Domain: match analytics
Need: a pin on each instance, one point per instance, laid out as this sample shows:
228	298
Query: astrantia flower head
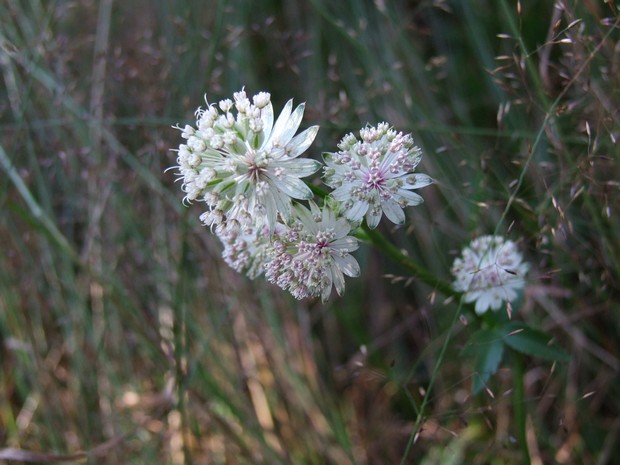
312	254
245	167
489	272
374	175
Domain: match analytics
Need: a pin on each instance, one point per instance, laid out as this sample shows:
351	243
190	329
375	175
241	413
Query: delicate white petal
415	156
300	167
315	211
411	198
389	159
415	181
482	304
280	125
338	279
495	300
271	211
373	216
509	293
393	212
341	228
211	156
345	244
472	296
327	288
267	116
348	264
341	193
283	204
293	187
357	211
289	130
301	142
306	218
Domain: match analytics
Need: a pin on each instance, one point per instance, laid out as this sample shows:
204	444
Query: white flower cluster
247	169
306	256
312	254
243	166
490	271
374	175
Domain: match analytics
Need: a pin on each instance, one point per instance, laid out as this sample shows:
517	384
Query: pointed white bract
490	271
374	176
244	166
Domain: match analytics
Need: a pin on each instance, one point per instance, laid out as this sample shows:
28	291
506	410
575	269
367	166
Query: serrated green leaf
486	347
526	340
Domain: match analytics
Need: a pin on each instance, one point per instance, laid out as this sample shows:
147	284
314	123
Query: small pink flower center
375	179
323	239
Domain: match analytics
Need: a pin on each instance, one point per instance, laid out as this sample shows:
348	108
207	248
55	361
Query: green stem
519	406
427	395
379	241
38	214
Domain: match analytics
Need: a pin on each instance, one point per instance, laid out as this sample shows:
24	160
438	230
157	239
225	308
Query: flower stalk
390	250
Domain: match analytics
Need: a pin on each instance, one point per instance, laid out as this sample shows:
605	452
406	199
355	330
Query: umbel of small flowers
374	175
312	253
307	256
245	167
248	171
489	271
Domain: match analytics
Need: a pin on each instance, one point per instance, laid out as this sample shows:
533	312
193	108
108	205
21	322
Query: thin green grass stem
549	110
36	211
394	253
427	395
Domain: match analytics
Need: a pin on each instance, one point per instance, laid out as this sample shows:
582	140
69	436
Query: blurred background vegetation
125	339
